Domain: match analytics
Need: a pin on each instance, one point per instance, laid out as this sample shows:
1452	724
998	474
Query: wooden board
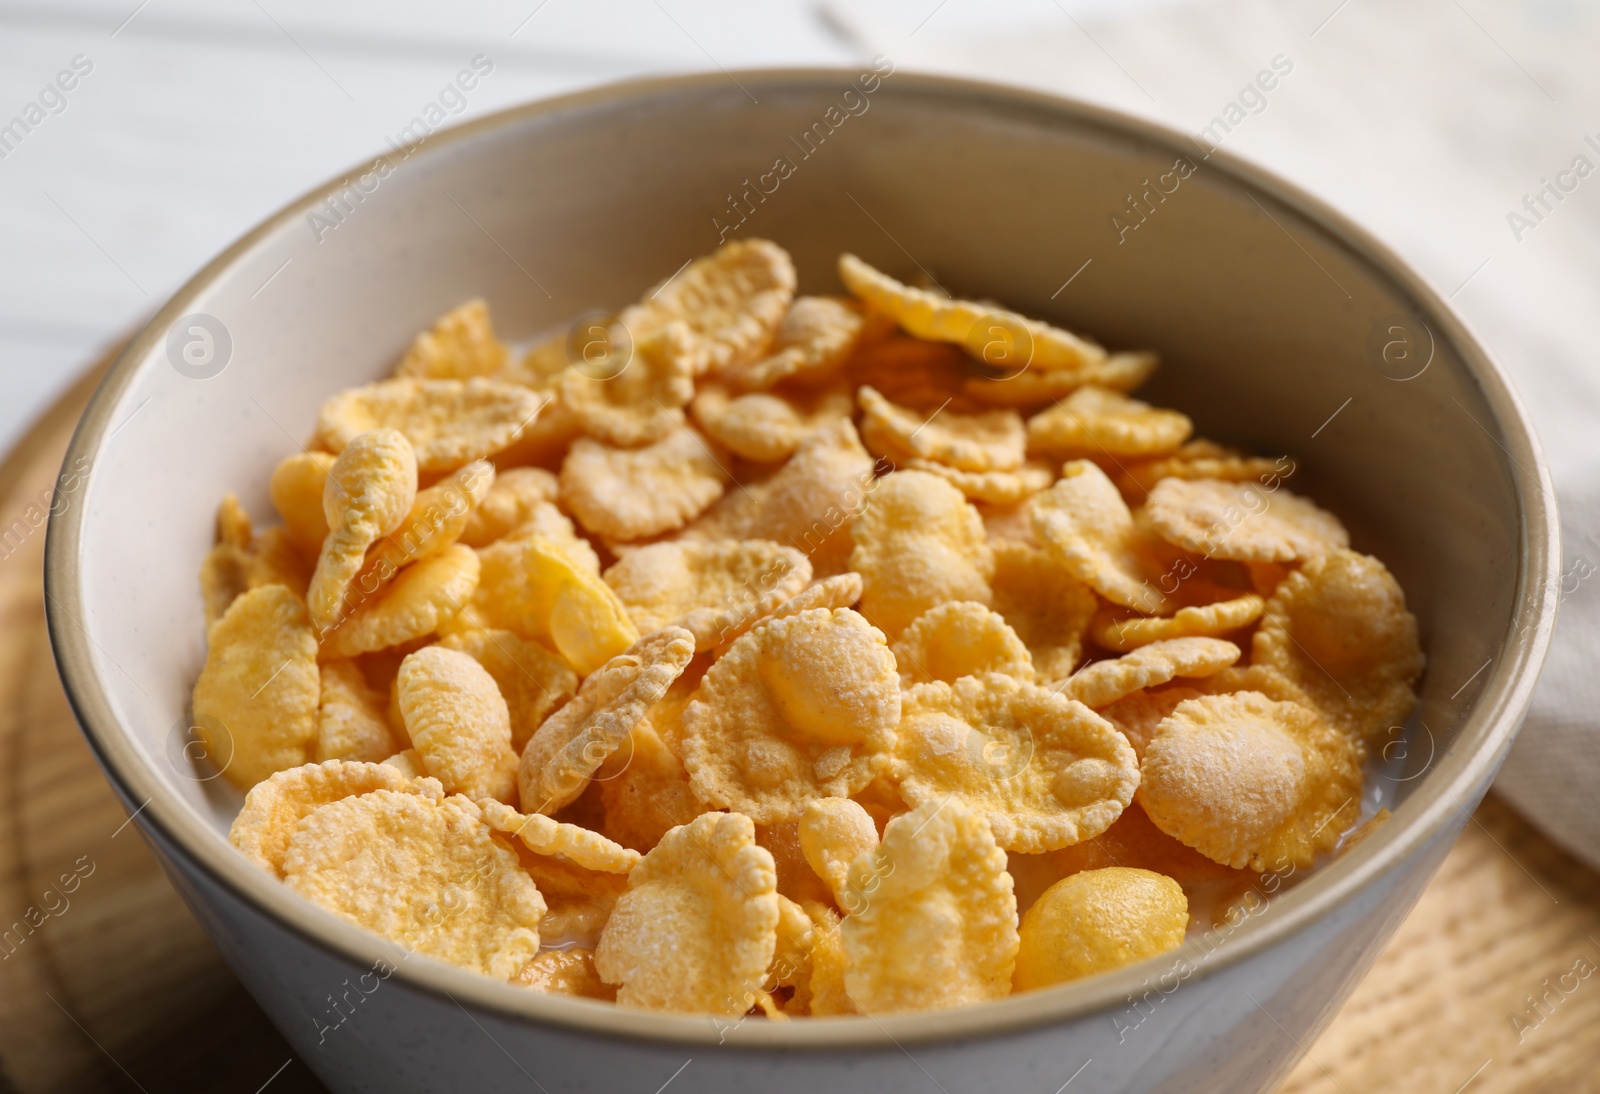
119	990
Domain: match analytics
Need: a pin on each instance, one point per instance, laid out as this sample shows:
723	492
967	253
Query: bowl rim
1440	801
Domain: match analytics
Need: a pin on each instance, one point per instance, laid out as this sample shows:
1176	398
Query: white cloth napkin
1430	123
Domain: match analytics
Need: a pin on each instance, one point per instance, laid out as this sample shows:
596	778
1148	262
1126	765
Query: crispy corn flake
296	488
509	504
569	747
1200	460
533	586
1203	621
1339	629
931	920
1249	782
648	796
579	901
435	522
545	439
449	423
832	833
276	804
409	763
960	638
1035	387
840	591
791	954
1241	521
1010	523
732	301
644	401
544	836
459	346
811	344
1095	422
697	928
242	560
1084	522
799	708
994	487
1258	677
940	319
1045	606
1104	682
1046	771
255	702
991	441
716	590
368	492
911	373
1139	714
426	875
797	881
458	723
633	493
414	604
763	427
807	504
565	972
351	721
918	543
533	681
1096	921
821	991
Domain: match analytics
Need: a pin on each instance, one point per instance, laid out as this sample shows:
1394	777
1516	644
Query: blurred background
138	139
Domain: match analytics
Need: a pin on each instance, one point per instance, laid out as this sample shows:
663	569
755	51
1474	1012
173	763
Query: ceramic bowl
1282	327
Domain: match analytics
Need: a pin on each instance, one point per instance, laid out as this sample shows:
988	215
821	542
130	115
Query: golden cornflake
448	422
1096	921
799	708
275	805
1242	521
931	920
1339	629
960	638
533	681
833	832
815	338
1104	682
458	723
1044	605
649	794
1044	770
994	487
840	591
535	587
822	991
911	373
1248	782
918	543
991	441
351	720
1085	523
732	301
460	345
1035	387
544	836
1203	621
642	403
697	928
565	972
572	743
940	319
715	590
632	493
765	427
426	875
414	604
296	489
1095	422
255	703
1201	460
509	504
369	490
1138	715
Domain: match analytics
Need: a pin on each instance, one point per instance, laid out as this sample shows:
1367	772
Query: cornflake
424	595
632	493
931	920
458	723
533	681
1096	921
1242	521
994	487
714	589
918	543
991	441
1104	682
1033	387
766	427
832	833
255	703
960	638
799	708
648	793
812	342
1084	522
509	504
1044	604
1339	629
461	345
642	403
565	972
1203	621
369	490
296	489
351	720
1044	770
1095	422
448	422
697	928
425	874
1248	782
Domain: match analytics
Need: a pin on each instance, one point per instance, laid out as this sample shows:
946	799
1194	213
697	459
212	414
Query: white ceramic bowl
1281	325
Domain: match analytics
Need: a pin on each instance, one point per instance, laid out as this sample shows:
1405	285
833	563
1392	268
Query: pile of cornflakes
753	653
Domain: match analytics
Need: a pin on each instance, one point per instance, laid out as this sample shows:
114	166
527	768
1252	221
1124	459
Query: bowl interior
1274	333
